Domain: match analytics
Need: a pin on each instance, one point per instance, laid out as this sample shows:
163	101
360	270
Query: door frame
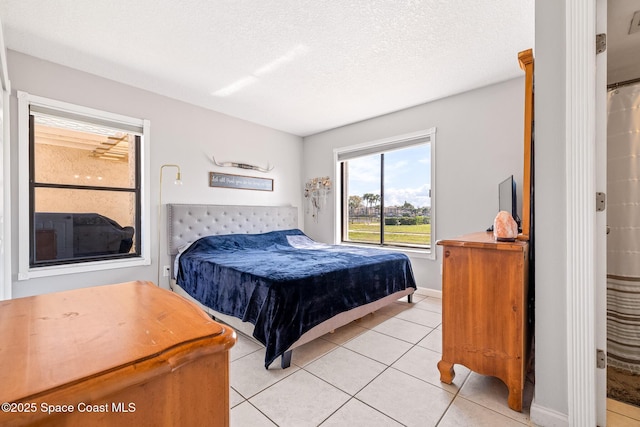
580	219
601	217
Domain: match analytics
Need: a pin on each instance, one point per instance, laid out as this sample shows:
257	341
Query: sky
407	176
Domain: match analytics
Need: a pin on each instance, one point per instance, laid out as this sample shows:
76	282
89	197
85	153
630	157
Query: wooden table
128	354
484	310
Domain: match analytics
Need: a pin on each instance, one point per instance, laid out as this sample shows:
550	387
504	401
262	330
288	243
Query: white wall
180	133
479	143
5	216
5	167
551	394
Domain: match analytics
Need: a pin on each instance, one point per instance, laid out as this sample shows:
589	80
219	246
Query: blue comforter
285	283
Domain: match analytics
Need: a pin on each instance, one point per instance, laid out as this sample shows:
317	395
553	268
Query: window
387	196
81	188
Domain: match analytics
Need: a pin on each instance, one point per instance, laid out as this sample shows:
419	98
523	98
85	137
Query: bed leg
285	361
410	298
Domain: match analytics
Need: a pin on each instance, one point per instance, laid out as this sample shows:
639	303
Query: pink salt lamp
505	228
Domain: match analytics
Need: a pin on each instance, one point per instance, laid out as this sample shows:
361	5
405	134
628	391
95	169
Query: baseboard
429	292
541	416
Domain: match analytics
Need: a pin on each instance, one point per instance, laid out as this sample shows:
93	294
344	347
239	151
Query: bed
252	263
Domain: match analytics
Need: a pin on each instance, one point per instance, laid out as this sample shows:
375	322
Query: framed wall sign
226	180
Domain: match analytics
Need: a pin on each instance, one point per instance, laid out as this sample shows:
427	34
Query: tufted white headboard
187	223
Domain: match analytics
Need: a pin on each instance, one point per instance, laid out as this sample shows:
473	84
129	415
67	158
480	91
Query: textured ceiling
301	66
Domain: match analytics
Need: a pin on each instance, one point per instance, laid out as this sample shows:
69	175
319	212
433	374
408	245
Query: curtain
623	218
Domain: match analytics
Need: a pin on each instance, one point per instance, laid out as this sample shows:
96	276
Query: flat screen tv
507	199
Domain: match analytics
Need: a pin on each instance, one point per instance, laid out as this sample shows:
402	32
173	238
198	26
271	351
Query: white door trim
580	209
600	316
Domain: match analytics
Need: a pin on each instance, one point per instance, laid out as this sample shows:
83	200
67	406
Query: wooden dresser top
484	240
56	340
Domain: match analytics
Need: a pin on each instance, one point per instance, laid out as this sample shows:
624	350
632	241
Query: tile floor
378	371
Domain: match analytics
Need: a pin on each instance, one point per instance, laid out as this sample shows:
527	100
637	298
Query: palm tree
376	199
354	203
368	198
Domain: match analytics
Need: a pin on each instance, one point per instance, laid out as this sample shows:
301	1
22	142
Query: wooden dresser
124	354
484	310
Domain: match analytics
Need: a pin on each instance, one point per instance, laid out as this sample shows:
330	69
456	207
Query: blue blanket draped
285	283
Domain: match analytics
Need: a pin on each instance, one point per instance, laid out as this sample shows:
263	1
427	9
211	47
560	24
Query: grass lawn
407	234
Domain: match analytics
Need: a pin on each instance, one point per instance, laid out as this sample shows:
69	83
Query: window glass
363	200
85	201
407	211
90	224
387	197
69	157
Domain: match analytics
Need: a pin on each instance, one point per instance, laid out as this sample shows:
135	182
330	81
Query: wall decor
316	191
225	180
243	166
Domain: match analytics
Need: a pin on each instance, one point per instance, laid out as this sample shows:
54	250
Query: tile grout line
387	366
353	396
265	415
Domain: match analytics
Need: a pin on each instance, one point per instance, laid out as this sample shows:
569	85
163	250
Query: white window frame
25	272
387	144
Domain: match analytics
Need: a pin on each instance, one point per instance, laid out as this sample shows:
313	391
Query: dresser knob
447	253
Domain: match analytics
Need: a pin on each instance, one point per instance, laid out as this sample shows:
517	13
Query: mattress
285	283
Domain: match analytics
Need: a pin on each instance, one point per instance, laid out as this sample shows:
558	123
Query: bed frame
187	223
